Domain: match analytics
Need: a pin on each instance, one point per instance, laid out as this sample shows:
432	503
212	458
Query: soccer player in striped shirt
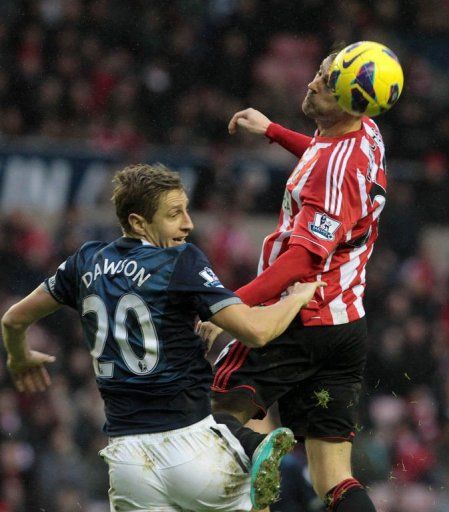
327	228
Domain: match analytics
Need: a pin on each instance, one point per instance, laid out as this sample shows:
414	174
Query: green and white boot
265	473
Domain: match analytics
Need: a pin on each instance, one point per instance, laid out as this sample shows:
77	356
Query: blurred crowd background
158	80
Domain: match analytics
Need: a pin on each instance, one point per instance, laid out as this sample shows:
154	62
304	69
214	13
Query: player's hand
208	332
305	290
29	374
251	120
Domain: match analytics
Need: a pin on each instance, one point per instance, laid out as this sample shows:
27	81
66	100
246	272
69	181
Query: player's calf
349	496
248	438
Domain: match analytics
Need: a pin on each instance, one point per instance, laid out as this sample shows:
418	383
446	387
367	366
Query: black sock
349	496
249	439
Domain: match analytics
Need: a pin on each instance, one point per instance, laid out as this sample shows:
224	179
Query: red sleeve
292	141
296	264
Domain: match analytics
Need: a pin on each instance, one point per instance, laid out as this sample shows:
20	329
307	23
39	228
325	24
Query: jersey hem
156	430
206	421
48	289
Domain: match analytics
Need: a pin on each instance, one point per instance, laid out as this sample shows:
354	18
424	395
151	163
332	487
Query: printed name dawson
129	269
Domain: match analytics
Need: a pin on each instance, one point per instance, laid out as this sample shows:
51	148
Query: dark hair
137	189
335	49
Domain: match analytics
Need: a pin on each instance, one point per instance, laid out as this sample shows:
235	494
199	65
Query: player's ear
137	223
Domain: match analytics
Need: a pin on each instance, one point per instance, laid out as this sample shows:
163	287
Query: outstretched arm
255	122
25	365
255	327
294	142
296	264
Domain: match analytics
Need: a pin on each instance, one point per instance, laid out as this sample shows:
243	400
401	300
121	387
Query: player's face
171	223
319	103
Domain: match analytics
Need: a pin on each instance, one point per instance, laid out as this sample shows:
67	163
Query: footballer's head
320	104
151	204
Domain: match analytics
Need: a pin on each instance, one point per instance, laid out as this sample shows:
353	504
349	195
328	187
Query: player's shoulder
190	261
188	252
372	142
89	250
369	123
80	258
371	132
91	247
368	147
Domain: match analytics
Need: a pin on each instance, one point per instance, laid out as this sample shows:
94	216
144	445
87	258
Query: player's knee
236	404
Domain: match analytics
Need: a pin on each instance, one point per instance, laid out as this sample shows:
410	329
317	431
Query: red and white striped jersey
331	206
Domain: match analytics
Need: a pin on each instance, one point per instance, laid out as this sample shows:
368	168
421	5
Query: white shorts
189	469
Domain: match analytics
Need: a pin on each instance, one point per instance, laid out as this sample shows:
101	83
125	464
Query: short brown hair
336	47
137	189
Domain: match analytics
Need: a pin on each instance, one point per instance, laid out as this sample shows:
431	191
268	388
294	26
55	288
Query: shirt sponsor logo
211	278
323	226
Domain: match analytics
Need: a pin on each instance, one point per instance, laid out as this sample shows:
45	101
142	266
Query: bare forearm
257	326
20	316
273	320
14	341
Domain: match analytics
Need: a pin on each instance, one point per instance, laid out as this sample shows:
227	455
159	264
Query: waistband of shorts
208	421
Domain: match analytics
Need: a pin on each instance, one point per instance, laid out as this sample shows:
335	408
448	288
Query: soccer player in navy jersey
138	298
327	228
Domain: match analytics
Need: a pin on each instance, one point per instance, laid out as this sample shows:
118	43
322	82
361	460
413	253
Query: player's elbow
13	320
256	337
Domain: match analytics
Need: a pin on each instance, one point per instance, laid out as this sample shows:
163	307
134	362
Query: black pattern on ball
365	78
358	101
333	79
394	94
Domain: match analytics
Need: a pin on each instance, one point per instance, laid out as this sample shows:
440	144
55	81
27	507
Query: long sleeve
294	142
296	264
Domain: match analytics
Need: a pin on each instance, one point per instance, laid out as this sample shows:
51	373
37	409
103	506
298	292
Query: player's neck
339	128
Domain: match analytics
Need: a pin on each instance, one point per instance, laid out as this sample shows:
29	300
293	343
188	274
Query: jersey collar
349	135
128	242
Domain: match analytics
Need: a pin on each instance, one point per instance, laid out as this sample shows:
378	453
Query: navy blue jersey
138	304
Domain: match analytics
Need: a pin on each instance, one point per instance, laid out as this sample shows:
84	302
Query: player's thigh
216	478
200	468
325	404
132	490
134	482
329	463
248	381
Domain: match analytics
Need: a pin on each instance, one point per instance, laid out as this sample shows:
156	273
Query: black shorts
315	374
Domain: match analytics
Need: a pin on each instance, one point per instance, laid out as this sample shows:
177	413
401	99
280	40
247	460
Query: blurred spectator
75	60
433	190
61	468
